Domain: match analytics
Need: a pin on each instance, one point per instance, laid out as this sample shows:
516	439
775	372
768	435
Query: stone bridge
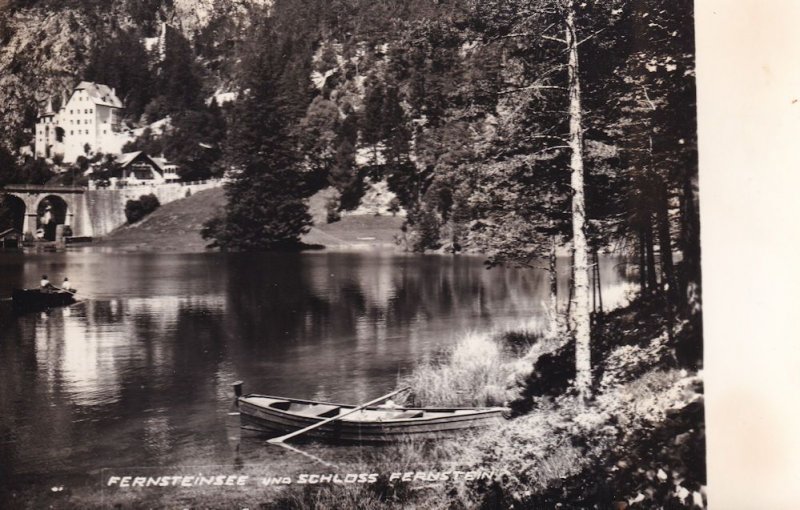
33	207
30	208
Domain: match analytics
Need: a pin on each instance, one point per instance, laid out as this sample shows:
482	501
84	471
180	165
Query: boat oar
308	455
281	439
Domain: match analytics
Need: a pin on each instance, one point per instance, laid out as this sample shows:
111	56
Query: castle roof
100	94
48	111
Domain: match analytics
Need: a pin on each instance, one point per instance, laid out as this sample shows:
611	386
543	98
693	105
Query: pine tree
266	207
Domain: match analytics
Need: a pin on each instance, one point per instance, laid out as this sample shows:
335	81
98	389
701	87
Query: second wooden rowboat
377	424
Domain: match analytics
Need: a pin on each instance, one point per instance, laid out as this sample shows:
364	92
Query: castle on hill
88	122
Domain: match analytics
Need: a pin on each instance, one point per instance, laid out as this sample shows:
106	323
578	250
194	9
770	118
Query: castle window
70	131
87	131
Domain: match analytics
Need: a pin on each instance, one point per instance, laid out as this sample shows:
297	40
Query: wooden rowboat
375	424
30	300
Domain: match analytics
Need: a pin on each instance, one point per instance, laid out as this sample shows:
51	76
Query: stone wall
103	210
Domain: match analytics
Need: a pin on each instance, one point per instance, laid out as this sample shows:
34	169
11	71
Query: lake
139	373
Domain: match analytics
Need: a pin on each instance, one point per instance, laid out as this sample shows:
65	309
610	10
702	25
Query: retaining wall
103	210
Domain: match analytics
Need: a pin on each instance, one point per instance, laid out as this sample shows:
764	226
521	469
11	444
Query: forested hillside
461	106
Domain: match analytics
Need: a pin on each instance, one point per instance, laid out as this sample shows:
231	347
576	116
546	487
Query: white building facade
88	123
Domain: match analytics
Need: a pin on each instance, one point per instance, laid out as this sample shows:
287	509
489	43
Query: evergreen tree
8	167
318	136
372	122
179	80
194	142
266	207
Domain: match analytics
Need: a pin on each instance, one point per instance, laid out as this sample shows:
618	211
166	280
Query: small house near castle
139	168
89	119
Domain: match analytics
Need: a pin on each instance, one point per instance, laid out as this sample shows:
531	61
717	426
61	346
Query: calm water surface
140	373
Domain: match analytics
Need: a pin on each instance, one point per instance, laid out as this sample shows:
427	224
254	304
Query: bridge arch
51	211
12	212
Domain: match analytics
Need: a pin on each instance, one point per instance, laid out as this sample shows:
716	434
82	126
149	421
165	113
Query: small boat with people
38	299
367	423
46	296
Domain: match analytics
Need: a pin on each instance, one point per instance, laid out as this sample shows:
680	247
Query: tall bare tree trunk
665	242
642	264
652	279
597	279
690	243
580	312
553	289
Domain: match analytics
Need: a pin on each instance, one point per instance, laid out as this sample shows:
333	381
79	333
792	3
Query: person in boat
67	286
45	285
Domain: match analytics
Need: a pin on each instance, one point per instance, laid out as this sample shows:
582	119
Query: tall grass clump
471	373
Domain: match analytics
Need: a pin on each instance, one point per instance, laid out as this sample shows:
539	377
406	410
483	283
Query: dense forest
424	91
460	106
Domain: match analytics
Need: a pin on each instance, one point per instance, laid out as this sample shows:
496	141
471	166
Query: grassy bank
639	443
176	226
356	232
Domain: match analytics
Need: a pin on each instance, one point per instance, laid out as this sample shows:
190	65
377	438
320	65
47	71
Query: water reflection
139	373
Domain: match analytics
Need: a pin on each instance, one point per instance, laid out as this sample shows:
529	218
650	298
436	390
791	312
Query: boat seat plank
330	413
305	409
408	414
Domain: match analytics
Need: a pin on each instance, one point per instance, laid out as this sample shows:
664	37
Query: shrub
427	225
332	209
394	206
135	210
